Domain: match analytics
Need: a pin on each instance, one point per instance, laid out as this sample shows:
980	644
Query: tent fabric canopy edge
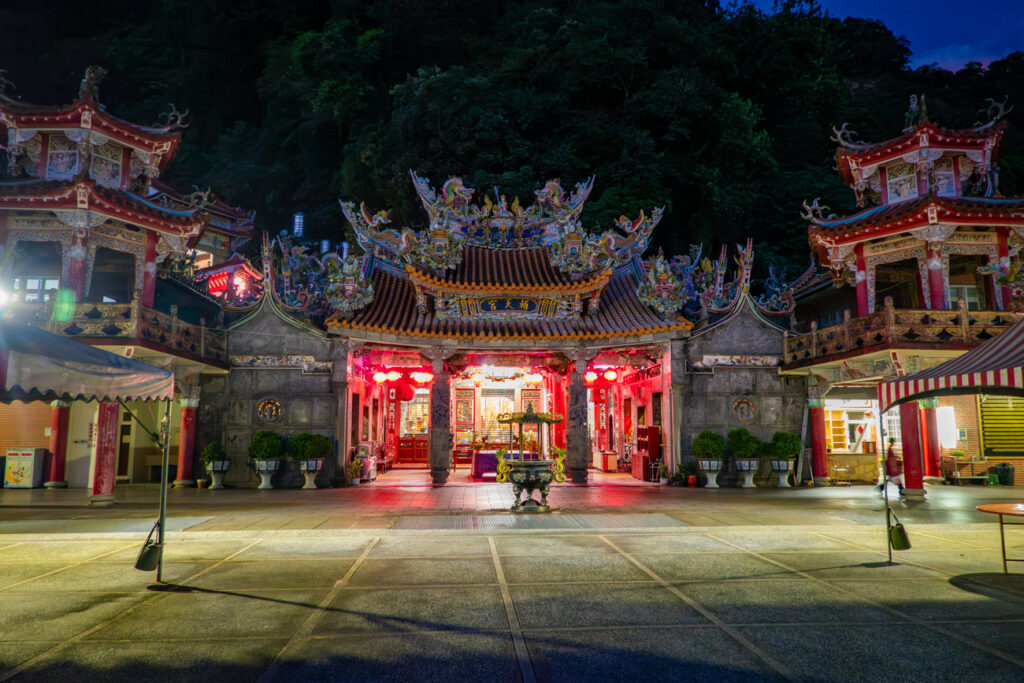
994	367
38	365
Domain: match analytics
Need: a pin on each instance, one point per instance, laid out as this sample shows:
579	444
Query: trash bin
1005	472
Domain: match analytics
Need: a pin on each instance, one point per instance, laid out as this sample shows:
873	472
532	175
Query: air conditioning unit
961	435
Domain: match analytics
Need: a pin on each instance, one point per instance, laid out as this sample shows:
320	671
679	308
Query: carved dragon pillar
441	436
577	454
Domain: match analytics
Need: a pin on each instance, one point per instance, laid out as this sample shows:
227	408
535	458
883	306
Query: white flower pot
354	481
266	469
748	466
783	468
309	469
663	481
711	467
217	469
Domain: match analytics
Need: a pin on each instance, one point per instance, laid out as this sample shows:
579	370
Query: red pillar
187	443
59	416
819	456
149	270
76	264
105	458
861	278
913	451
1003	246
930	431
559	389
936	277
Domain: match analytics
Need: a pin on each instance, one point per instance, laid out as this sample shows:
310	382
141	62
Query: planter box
782	468
217	468
309	469
266	469
711	467
748	466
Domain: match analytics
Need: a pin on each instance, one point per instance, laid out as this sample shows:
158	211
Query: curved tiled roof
506	267
393	311
901	216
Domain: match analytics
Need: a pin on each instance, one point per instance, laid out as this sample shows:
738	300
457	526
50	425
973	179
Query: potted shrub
745	448
663	473
309	451
783	450
355	469
691	471
709	448
216	462
266	450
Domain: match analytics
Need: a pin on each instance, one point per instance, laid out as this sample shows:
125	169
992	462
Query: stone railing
892	328
130	322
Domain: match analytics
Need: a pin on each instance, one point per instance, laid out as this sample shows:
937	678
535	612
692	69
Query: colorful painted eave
88	195
882	221
89	115
338	324
583	286
925	135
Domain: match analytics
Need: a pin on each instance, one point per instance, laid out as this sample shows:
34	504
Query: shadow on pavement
997	586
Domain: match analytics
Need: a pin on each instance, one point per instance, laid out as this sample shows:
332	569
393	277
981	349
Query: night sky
942	32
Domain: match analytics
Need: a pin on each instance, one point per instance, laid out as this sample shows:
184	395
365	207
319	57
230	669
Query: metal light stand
165	437
888	534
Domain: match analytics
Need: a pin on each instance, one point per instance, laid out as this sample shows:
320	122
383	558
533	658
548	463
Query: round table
1004	510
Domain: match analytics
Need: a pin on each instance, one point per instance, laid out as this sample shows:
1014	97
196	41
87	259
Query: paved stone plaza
677	584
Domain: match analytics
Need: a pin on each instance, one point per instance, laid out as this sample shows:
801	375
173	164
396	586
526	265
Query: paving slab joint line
66	567
313	619
515	627
146	599
836	585
778	666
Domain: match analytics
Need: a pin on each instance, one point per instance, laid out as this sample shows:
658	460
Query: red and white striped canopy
995	367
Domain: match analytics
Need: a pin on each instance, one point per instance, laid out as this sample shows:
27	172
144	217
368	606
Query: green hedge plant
306	446
742	444
213	452
784	445
709	446
266	445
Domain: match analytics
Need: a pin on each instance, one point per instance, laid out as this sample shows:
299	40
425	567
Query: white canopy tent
36	365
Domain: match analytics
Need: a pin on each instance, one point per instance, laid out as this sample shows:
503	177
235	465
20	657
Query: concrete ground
623	582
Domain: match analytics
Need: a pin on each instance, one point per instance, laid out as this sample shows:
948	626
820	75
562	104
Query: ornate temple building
93	246
926	270
413	348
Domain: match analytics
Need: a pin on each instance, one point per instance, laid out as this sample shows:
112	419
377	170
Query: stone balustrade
130	323
895	328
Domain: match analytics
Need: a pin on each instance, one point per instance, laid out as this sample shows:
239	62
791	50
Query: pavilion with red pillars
95	247
411	345
925	271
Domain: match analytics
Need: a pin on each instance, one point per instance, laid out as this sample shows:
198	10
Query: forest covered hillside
721	114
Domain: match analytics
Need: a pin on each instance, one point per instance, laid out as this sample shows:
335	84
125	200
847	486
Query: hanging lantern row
394	375
610	375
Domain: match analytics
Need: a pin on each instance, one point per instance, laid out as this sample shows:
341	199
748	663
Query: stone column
932	450
577	454
819	454
187	443
105	456
440	421
910	432
58	444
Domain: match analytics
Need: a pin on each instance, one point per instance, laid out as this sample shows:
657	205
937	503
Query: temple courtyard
406	581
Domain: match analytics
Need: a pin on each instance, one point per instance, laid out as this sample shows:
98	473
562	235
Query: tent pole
165	429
